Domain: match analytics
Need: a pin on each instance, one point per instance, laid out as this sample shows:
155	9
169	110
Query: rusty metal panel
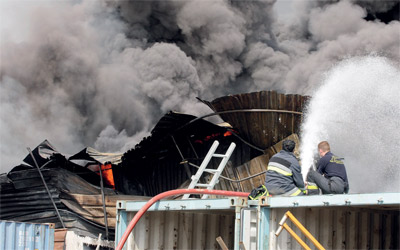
182	230
262	129
340	227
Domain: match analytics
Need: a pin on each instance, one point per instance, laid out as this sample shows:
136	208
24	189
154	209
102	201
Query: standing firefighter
284	172
331	177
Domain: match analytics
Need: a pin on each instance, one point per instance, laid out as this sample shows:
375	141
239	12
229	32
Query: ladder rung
211	170
202	185
219	155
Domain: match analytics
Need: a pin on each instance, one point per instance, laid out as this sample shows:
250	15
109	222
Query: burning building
85	183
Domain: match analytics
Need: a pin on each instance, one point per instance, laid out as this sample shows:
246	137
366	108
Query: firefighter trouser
333	185
294	192
312	188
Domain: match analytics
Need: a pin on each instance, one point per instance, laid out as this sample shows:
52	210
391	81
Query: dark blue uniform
331	177
332	166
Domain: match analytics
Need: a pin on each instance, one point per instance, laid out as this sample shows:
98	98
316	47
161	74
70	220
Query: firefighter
331	177
284	172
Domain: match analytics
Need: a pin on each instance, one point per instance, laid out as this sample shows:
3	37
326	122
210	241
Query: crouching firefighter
331	176
284	176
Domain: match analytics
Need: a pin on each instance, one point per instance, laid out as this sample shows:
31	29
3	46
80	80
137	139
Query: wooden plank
232	174
270	130
246	101
59	238
59	245
274	119
243	173
263	121
59	234
282	118
221	243
262	129
258	165
257	117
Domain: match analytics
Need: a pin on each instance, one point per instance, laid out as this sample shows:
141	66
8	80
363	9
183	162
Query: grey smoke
101	73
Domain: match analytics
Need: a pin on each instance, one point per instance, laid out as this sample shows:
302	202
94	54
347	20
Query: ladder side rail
196	177
220	168
203	165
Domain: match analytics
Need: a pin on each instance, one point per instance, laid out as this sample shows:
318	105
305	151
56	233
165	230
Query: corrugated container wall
339	228
352	221
182	230
26	236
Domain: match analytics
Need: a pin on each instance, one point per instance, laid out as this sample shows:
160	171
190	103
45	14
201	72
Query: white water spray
357	110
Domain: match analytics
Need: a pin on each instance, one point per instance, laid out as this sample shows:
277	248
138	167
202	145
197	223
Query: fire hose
158	197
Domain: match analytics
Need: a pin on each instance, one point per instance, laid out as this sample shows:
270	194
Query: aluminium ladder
203	168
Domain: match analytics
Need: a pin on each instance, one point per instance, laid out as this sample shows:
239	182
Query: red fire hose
158	197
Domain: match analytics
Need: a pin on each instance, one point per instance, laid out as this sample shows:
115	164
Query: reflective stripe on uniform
296	193
279	165
279	170
311	185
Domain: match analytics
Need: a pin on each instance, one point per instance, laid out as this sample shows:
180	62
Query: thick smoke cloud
101	73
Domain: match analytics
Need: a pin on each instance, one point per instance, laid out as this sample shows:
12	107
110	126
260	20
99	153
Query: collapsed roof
163	161
257	121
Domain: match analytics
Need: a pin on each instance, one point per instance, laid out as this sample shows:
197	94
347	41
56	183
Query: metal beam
177	205
47	189
103	198
263	227
379	199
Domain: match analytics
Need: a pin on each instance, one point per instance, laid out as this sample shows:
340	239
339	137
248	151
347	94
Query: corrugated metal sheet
26	200
356	221
181	138
340	228
91	155
26	236
182	230
262	129
157	163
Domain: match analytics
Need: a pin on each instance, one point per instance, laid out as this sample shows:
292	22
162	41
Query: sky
102	73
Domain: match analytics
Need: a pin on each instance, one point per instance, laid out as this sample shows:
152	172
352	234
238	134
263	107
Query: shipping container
352	221
26	236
